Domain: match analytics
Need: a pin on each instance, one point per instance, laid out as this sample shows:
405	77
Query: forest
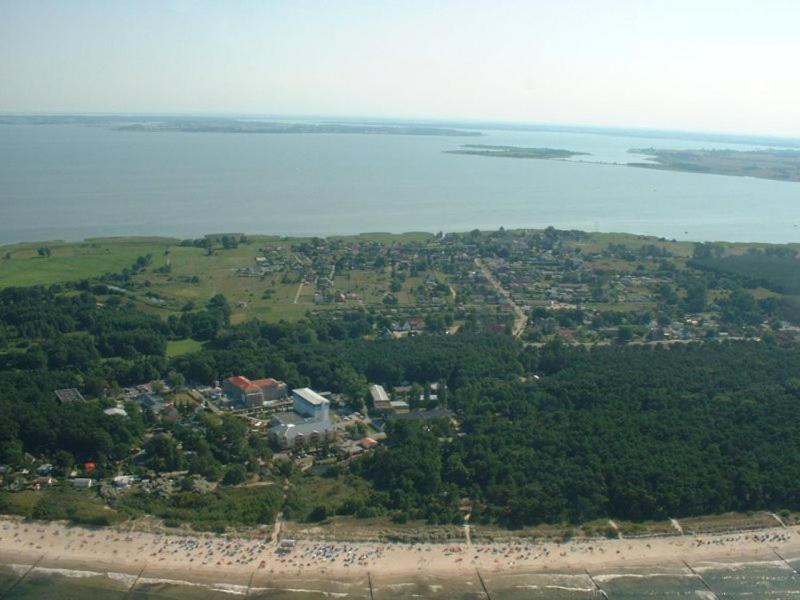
629	433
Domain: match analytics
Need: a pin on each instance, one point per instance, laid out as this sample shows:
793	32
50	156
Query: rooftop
310	396
289	418
268	381
378	393
69	395
243	383
304	428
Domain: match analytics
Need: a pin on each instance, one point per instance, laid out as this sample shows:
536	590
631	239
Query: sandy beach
207	558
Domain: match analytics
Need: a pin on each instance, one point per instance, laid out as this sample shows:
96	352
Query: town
325	360
301	427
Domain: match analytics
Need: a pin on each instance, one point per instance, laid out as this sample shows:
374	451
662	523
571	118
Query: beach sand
244	562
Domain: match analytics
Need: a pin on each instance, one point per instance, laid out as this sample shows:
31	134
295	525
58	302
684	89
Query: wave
606	577
126	581
708	565
570	589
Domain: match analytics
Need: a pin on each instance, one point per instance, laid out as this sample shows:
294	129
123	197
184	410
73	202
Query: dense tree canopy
555	433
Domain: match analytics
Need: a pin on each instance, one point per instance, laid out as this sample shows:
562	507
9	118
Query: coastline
237	564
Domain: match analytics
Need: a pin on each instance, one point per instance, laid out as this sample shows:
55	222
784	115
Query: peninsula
515	152
777	164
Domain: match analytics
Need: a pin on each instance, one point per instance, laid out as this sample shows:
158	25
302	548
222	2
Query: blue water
74	181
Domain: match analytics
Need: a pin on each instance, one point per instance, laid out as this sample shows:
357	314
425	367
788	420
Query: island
777	164
516	152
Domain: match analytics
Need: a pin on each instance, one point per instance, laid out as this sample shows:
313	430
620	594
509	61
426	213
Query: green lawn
178	347
72	262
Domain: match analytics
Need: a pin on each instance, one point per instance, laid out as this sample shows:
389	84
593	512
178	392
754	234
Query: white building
380	399
310	404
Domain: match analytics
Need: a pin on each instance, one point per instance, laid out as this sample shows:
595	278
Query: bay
76	181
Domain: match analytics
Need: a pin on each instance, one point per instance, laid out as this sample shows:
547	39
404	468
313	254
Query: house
69	395
380	399
170	413
348	449
242	390
152	402
116	412
83	483
124	481
399	406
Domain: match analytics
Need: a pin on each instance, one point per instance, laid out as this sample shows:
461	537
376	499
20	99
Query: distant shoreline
469	124
774	165
388	236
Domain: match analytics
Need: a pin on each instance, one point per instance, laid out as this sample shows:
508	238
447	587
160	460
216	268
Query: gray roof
306	428
310	396
378	393
69	395
289	418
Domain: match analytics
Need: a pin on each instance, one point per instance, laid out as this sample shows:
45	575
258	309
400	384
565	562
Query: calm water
765	580
73	181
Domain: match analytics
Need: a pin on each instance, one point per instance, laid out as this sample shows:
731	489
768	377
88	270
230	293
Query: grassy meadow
194	276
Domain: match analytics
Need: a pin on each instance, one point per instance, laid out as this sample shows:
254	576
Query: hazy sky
726	65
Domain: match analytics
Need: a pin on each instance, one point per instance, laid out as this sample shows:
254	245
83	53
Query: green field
75	261
195	276
178	347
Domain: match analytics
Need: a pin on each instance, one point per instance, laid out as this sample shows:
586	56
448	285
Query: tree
163	453
234	475
176	380
624	334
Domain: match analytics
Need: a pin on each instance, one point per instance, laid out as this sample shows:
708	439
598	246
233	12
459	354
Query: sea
74	181
762	580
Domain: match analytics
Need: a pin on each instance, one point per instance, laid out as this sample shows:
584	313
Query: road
520	319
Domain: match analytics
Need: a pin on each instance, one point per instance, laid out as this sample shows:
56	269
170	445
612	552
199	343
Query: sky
699	65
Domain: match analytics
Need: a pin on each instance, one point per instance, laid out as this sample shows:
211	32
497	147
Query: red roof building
242	390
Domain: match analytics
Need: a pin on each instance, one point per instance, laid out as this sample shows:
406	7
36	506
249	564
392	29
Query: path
778	519
615	527
677	526
276	530
299	289
520	320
